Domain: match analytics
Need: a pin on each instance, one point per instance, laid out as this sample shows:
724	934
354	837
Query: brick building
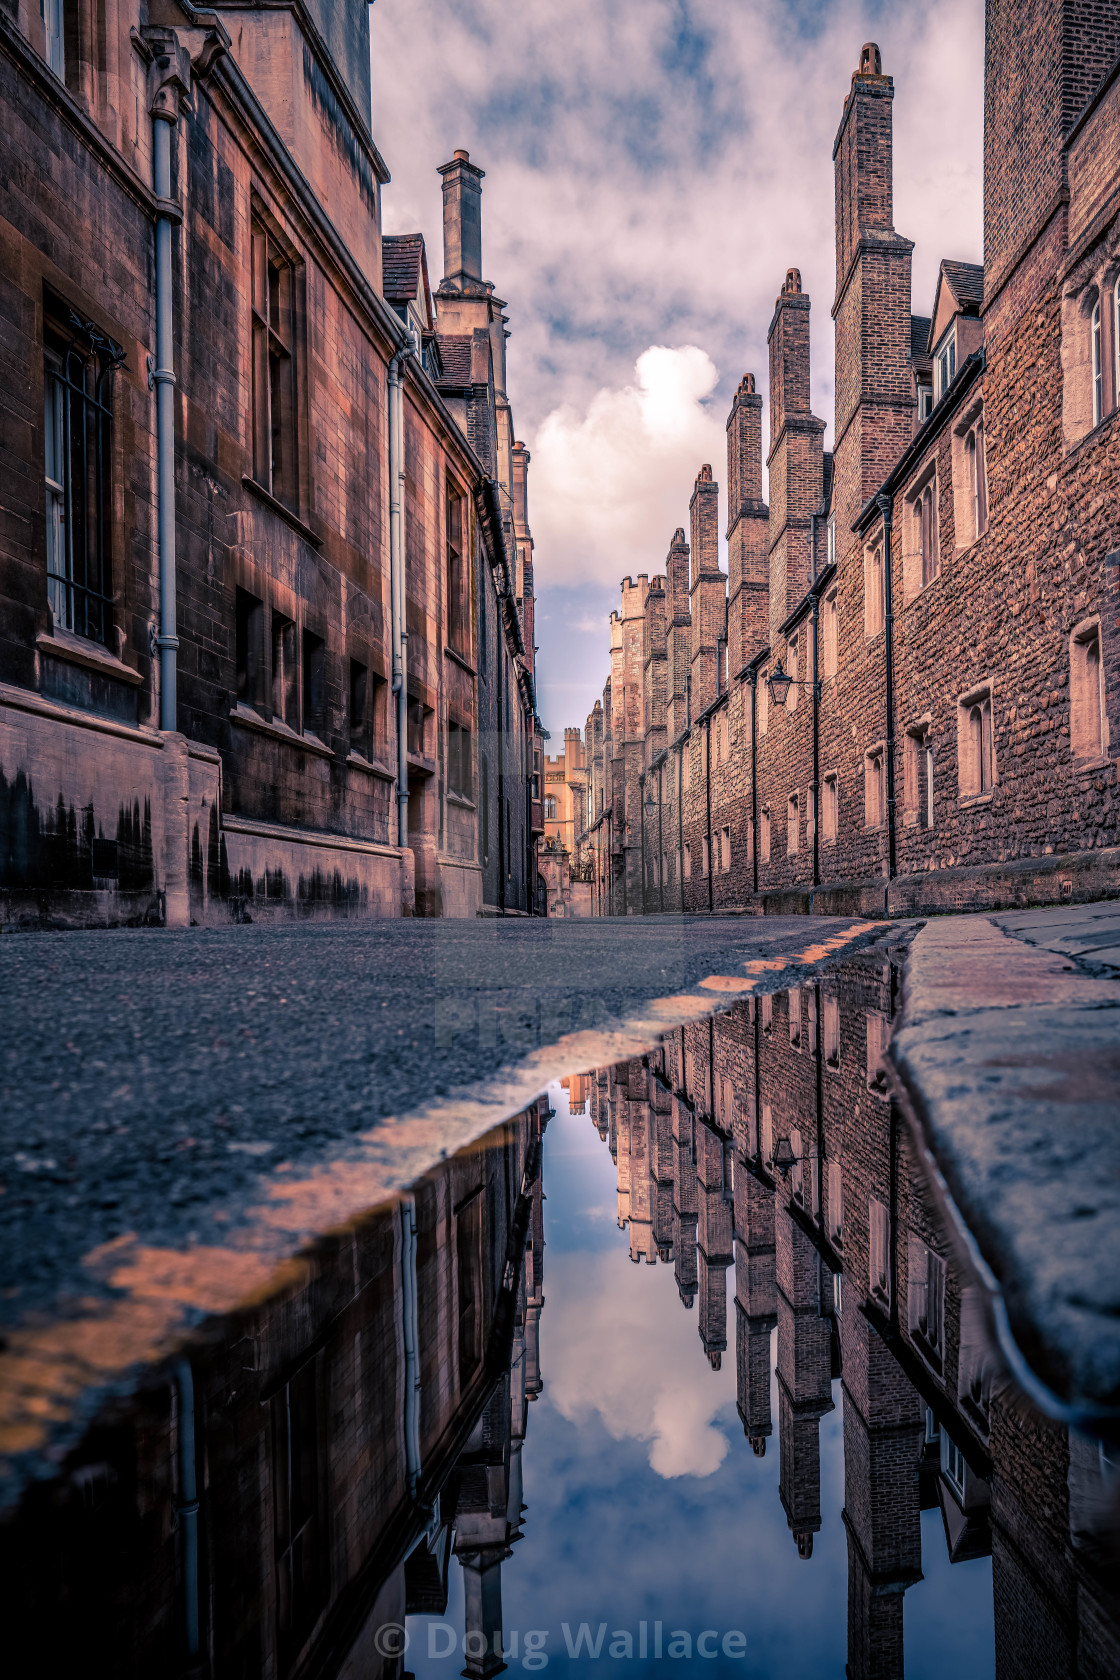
941	589
759	1155
266	591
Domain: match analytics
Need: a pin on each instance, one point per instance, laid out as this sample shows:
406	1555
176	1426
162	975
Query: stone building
905	691
759	1151
266	593
563	856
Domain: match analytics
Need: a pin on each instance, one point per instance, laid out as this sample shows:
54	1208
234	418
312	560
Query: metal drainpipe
680	821
187	1507
642	809
883	502
410	1326
816	749
396	586
708	800
501	766
162	377
754	777
660	849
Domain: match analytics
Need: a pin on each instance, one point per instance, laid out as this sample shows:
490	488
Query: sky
653	167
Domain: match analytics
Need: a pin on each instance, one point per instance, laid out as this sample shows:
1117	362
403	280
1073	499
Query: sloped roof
402	258
919	335
455	353
966	279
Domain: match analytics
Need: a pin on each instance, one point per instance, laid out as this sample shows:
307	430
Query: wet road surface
689	1372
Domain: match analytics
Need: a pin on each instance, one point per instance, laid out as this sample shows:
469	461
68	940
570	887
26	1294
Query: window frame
793	823
976	747
79	361
830	633
457	550
1081	680
874	775
1096	360
874	590
945	362
830	807
275	362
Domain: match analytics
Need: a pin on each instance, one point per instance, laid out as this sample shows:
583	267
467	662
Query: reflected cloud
620	1346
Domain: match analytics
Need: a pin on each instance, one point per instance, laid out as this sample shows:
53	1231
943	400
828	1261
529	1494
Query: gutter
397	584
169	80
886	504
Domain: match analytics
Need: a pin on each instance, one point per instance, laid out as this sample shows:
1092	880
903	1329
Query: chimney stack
462	220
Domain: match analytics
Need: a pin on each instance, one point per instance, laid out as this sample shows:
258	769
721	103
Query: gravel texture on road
152	1081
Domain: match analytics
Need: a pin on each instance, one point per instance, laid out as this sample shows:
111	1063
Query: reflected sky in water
645	1500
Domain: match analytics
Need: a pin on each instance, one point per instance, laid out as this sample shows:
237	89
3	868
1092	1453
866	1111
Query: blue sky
653	167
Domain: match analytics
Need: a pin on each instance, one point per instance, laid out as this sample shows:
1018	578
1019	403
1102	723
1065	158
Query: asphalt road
151	1081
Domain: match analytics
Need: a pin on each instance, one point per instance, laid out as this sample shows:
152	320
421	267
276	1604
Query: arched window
1095	345
980	747
928	536
980	479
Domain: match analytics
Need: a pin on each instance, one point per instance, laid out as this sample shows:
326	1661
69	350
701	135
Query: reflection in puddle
779	1444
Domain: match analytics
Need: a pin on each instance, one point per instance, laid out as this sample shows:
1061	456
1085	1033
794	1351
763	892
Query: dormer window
925	403
945	364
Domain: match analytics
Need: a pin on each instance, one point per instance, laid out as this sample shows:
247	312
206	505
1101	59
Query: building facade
904	693
265	612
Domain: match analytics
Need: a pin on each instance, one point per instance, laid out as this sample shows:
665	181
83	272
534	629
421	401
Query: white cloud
623	1346
653	167
609	482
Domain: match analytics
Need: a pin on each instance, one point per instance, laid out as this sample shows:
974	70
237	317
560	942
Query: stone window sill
247	718
460	659
970	799
78	650
418	761
461	801
372	766
278	507
1086	766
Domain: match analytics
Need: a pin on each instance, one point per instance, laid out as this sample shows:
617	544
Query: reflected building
766	1140
308	1472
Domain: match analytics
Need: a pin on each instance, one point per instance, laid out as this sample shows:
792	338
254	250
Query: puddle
678	1371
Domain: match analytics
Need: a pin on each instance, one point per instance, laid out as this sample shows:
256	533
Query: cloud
609	481
653	167
619	1343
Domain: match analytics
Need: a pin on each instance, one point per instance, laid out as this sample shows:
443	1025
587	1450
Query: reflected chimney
462	219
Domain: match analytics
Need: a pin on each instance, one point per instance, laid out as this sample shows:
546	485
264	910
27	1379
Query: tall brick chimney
796	459
678	636
1043	61
874	400
708	589
462	220
748	539
656	669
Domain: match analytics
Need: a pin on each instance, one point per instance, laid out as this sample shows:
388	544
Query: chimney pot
870	60
464	157
793	280
704	476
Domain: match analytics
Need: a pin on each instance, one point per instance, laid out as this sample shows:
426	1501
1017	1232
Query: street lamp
784	1158
779	684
